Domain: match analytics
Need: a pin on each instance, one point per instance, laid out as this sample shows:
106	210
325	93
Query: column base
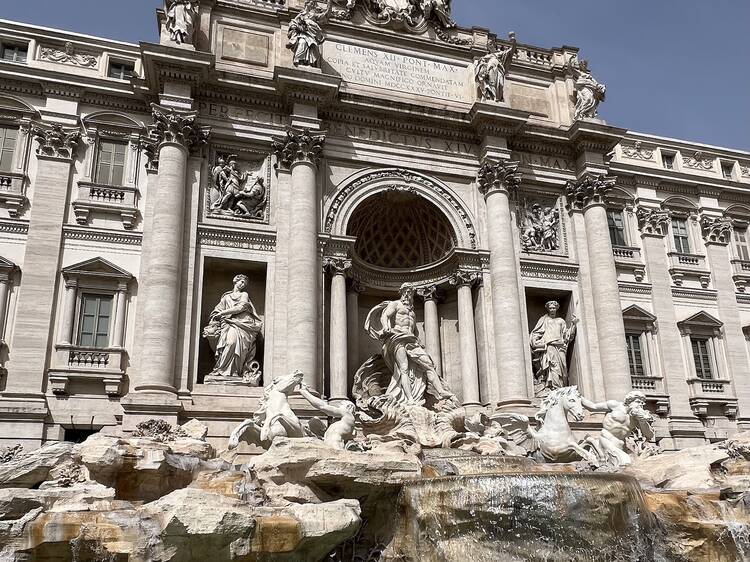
22	417
472	408
143	405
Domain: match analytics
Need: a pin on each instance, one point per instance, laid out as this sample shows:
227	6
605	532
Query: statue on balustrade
413	373
549	340
540	229
306	35
237	193
181	16
232	333
589	93
491	69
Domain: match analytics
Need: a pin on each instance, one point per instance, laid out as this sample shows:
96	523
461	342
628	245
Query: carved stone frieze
698	161
226	238
539	224
68	55
298	146
637	151
549	270
652	222
56	141
173	126
716	230
335	265
498	176
745	171
589	190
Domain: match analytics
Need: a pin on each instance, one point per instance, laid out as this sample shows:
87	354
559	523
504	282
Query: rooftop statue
413	13
306	35
623	421
549	346
491	69
181	15
232	334
589	93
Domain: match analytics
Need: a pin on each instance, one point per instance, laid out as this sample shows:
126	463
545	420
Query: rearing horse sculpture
554	440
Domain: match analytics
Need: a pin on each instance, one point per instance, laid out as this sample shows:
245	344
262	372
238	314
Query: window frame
725	165
678	247
122	64
709	363
81	299
97	161
623	229
18	46
13	150
635	336
668	160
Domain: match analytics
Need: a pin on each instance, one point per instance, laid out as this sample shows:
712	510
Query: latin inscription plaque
395	71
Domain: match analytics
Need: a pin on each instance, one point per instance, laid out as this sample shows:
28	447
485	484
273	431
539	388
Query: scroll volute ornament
56	141
498	176
298	146
716	230
173	126
652	222
591	189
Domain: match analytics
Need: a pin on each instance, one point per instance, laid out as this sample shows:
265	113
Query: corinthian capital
429	293
496	176
298	145
463	277
173	126
56	141
716	230
589	190
336	265
652	222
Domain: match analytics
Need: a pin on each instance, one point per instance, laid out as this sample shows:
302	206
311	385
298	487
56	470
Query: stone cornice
299	145
589	190
179	127
494	176
56	141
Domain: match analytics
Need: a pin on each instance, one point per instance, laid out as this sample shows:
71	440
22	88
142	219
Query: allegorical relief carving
745	171
232	333
181	18
491	69
235	192
306	35
549	346
67	55
588	92
698	161
540	225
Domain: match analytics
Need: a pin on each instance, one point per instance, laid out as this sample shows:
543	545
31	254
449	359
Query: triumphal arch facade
182	222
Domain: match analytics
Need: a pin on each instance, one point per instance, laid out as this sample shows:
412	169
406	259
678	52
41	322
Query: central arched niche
400	230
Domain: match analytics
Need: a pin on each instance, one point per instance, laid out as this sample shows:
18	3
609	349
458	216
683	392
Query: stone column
430	295
118	337
588	195
174	134
300	151
463	281
69	311
717	233
496	181
653	224
339	386
353	329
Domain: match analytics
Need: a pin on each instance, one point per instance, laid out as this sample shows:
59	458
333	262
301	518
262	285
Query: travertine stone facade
370	157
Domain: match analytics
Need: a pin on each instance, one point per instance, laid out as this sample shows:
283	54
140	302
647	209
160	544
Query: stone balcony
107	199
653	388
12	192
682	266
708	393
629	258
741	274
84	364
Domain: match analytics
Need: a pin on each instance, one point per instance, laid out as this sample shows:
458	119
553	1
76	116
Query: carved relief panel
540	224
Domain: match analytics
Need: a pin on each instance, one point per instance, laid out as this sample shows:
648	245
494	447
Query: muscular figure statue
342	430
413	370
621	420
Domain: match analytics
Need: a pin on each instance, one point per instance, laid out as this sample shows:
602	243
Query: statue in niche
626	426
232	334
589	93
540	229
306	35
181	16
491	69
394	324
239	194
549	345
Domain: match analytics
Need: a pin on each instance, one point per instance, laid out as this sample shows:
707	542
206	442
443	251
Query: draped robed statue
549	345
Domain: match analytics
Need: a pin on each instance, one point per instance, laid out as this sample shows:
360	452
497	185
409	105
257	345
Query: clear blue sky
677	68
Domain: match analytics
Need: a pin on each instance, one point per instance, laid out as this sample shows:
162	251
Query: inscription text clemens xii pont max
394	71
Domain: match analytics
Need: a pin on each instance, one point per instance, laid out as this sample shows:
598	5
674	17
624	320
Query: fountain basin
524	517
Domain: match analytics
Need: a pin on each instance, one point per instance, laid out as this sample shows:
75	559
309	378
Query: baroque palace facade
316	158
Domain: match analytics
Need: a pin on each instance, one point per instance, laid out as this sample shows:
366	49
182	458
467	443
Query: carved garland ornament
172	126
56	141
716	230
496	176
698	161
298	146
409	178
68	55
637	152
589	190
652	222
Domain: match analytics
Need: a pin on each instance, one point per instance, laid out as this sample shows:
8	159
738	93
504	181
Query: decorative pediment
700	323
112	119
635	313
7	268
97	268
15	109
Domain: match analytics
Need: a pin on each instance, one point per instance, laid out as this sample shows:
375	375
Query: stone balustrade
741	274
86	364
629	258
12	192
684	266
706	393
106	199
